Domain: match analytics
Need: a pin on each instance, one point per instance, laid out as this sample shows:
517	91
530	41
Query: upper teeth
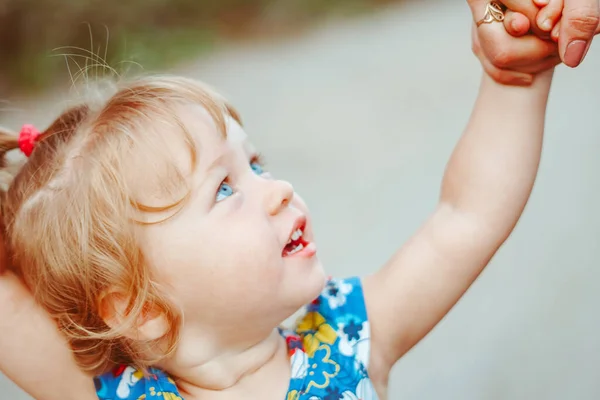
296	235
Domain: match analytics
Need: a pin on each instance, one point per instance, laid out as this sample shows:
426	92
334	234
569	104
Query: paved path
362	117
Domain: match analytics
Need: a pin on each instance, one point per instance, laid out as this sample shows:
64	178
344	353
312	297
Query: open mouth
296	242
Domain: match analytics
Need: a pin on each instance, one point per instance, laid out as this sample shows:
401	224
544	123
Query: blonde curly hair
69	216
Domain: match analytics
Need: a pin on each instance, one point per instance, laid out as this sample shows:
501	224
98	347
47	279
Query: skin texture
529	46
486	185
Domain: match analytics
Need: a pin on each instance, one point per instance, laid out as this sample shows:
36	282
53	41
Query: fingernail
575	52
546	24
523	81
585	52
514	25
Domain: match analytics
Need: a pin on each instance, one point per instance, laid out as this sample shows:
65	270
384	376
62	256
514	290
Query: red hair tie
27	138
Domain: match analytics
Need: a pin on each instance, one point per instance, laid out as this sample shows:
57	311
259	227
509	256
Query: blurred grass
35	34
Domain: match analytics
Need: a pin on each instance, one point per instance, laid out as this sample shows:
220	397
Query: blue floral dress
328	348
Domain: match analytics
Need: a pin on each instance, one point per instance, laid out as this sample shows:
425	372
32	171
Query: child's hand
507	52
548	18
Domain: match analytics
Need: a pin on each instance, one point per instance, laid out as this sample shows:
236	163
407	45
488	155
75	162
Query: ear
151	324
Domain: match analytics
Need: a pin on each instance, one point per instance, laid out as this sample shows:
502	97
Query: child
149	229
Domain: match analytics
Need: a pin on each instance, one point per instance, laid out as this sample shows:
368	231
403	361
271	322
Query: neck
222	368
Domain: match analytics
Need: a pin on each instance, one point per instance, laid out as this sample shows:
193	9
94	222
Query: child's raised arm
32	352
486	185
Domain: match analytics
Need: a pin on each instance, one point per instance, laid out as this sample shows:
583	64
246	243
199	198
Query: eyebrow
248	148
215	163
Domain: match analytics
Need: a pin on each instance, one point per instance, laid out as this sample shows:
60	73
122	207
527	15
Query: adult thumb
578	26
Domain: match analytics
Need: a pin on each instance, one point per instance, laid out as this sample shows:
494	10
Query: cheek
213	262
247	250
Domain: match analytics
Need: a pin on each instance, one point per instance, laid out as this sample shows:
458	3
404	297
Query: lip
300	223
309	249
307	252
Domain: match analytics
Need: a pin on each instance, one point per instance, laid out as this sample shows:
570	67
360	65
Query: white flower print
365	390
348	395
128	380
335	292
354	340
299	364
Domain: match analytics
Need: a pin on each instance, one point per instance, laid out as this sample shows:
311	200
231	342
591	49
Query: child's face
223	258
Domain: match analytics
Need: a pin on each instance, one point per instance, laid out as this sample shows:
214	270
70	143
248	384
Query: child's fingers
505	76
544	65
541	3
499	75
514	78
549	15
555	32
516	24
550	62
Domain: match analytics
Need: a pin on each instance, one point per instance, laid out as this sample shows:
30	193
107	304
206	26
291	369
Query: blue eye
225	190
257	168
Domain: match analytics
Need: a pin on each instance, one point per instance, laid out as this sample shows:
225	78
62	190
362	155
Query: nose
279	195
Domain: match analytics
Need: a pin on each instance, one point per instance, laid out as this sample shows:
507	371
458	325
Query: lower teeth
296	249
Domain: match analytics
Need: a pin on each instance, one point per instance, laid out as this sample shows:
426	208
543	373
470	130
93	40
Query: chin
309	286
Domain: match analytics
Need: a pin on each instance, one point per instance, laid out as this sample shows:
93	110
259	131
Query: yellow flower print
293	395
171	396
314	331
323	368
162	395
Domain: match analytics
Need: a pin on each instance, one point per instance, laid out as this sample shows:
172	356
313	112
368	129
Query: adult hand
575	29
506	53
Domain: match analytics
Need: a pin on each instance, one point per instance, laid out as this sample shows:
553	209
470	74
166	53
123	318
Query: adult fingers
516	24
549	15
556	31
579	24
530	10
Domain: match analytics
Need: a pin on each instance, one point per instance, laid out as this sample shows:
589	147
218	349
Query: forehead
205	133
187	146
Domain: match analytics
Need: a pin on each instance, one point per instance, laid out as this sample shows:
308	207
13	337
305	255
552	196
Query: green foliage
36	34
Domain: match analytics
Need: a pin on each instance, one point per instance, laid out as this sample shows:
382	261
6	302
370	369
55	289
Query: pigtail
66	125
61	129
8	141
17	171
8	168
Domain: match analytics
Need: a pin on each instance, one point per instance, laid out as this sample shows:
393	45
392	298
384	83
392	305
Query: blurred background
359	103
155	33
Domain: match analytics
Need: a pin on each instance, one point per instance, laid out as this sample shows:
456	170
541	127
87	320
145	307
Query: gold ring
493	13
